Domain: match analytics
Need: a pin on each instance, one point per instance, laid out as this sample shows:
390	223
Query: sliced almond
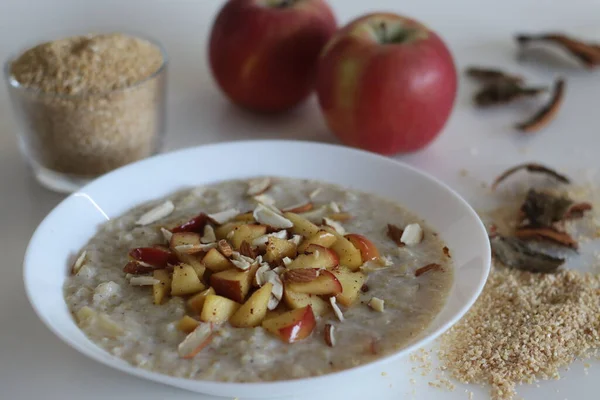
258	186
336	308
329	335
316	215
260	277
195	341
246	249
377	304
167	234
208	235
265	199
267	216
157	213
335	225
225	248
261	241
194	248
79	262
280	270
301	275
299	208
296	239
287	261
315	193
371	266
335	207
241	262
143	281
412	235
276	291
224	216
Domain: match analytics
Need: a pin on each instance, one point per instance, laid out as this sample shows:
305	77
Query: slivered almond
267	216
280	270
286	261
412	235
316	215
335	225
377	304
329	335
335	207
223	216
264	199
395	234
296	239
315	193
247	250
261	241
194	248
79	262
225	248
301	275
299	208
143	281
208	235
196	341
336	308
341	216
258	186
157	213
167	234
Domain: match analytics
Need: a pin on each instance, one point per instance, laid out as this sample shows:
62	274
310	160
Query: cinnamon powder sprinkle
524	327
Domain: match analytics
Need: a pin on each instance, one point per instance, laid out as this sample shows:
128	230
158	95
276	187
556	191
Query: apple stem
283	3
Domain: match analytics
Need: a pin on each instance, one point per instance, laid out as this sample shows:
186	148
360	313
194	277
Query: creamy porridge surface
123	319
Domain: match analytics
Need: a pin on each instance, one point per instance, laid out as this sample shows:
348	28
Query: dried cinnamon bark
395	234
530	167
492	75
587	53
505	92
548	112
543	209
516	253
577	210
543	233
428	267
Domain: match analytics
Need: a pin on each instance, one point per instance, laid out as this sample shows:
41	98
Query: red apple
293	325
263	53
386	83
368	250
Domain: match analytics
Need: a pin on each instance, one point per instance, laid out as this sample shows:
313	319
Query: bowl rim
216	385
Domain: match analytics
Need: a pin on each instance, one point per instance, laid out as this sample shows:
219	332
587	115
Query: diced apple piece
277	249
299	208
322	238
351	284
185	281
155	256
315	257
162	289
186	242
349	255
325	284
218	309
194	261
222	231
216	262
293	325
253	311
302	226
246	218
368	250
196	302
187	324
246	233
198	339
298	300
233	283
195	224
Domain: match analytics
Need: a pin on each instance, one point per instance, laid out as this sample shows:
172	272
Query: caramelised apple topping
281	270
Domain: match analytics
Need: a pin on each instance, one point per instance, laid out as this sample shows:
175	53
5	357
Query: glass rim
14	84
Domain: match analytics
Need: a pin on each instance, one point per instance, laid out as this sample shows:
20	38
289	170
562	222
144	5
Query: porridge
261	280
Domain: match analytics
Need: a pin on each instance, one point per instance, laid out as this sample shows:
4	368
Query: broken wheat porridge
260	280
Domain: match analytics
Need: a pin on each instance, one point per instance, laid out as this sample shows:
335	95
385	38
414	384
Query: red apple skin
386	98
264	58
368	250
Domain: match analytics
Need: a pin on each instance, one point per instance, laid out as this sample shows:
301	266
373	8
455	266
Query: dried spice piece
427	268
135	268
546	113
543	209
577	210
364	288
540	233
492	75
533	168
587	53
395	234
446	251
516	253
247	250
505	92
329	335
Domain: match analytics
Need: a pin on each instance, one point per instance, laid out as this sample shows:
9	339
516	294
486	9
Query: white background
34	364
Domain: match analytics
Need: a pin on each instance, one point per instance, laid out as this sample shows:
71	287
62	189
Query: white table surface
34	364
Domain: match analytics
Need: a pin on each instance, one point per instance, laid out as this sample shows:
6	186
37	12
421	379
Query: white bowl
75	220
